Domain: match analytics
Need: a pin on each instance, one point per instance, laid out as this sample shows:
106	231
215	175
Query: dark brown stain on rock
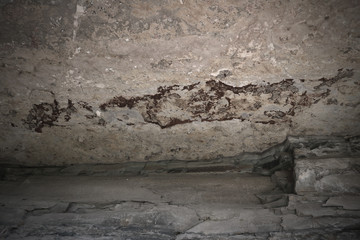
266	122
70	109
211	101
347	73
46	114
274	114
86	105
332	101
191	86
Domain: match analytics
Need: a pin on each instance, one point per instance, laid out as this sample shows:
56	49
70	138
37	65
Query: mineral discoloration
212	101
47	114
218	101
347	73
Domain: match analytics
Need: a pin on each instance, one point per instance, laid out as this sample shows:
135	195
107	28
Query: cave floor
166	206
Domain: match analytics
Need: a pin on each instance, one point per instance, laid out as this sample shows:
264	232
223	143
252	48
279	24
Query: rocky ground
179	206
314	196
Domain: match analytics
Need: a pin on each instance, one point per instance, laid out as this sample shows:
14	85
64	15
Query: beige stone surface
263	70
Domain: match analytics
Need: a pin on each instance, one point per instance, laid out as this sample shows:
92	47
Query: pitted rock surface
179	80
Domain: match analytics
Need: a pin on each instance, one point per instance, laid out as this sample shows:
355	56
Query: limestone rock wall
123	81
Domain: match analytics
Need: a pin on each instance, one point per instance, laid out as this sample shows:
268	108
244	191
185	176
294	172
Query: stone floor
317	196
171	206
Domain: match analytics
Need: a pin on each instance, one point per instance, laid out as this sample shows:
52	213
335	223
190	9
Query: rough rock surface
327	166
95	204
143	81
179	119
170	206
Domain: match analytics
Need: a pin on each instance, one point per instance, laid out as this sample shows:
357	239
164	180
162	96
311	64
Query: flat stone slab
314	209
339	183
293	222
10	216
145	215
249	221
332	175
196	189
167	206
157	206
346	202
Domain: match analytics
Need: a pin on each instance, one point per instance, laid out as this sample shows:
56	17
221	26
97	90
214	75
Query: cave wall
139	81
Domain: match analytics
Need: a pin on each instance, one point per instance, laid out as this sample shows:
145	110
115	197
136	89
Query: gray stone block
346	202
249	221
335	175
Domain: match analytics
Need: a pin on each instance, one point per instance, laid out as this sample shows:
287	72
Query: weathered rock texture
183	206
144	81
327	166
